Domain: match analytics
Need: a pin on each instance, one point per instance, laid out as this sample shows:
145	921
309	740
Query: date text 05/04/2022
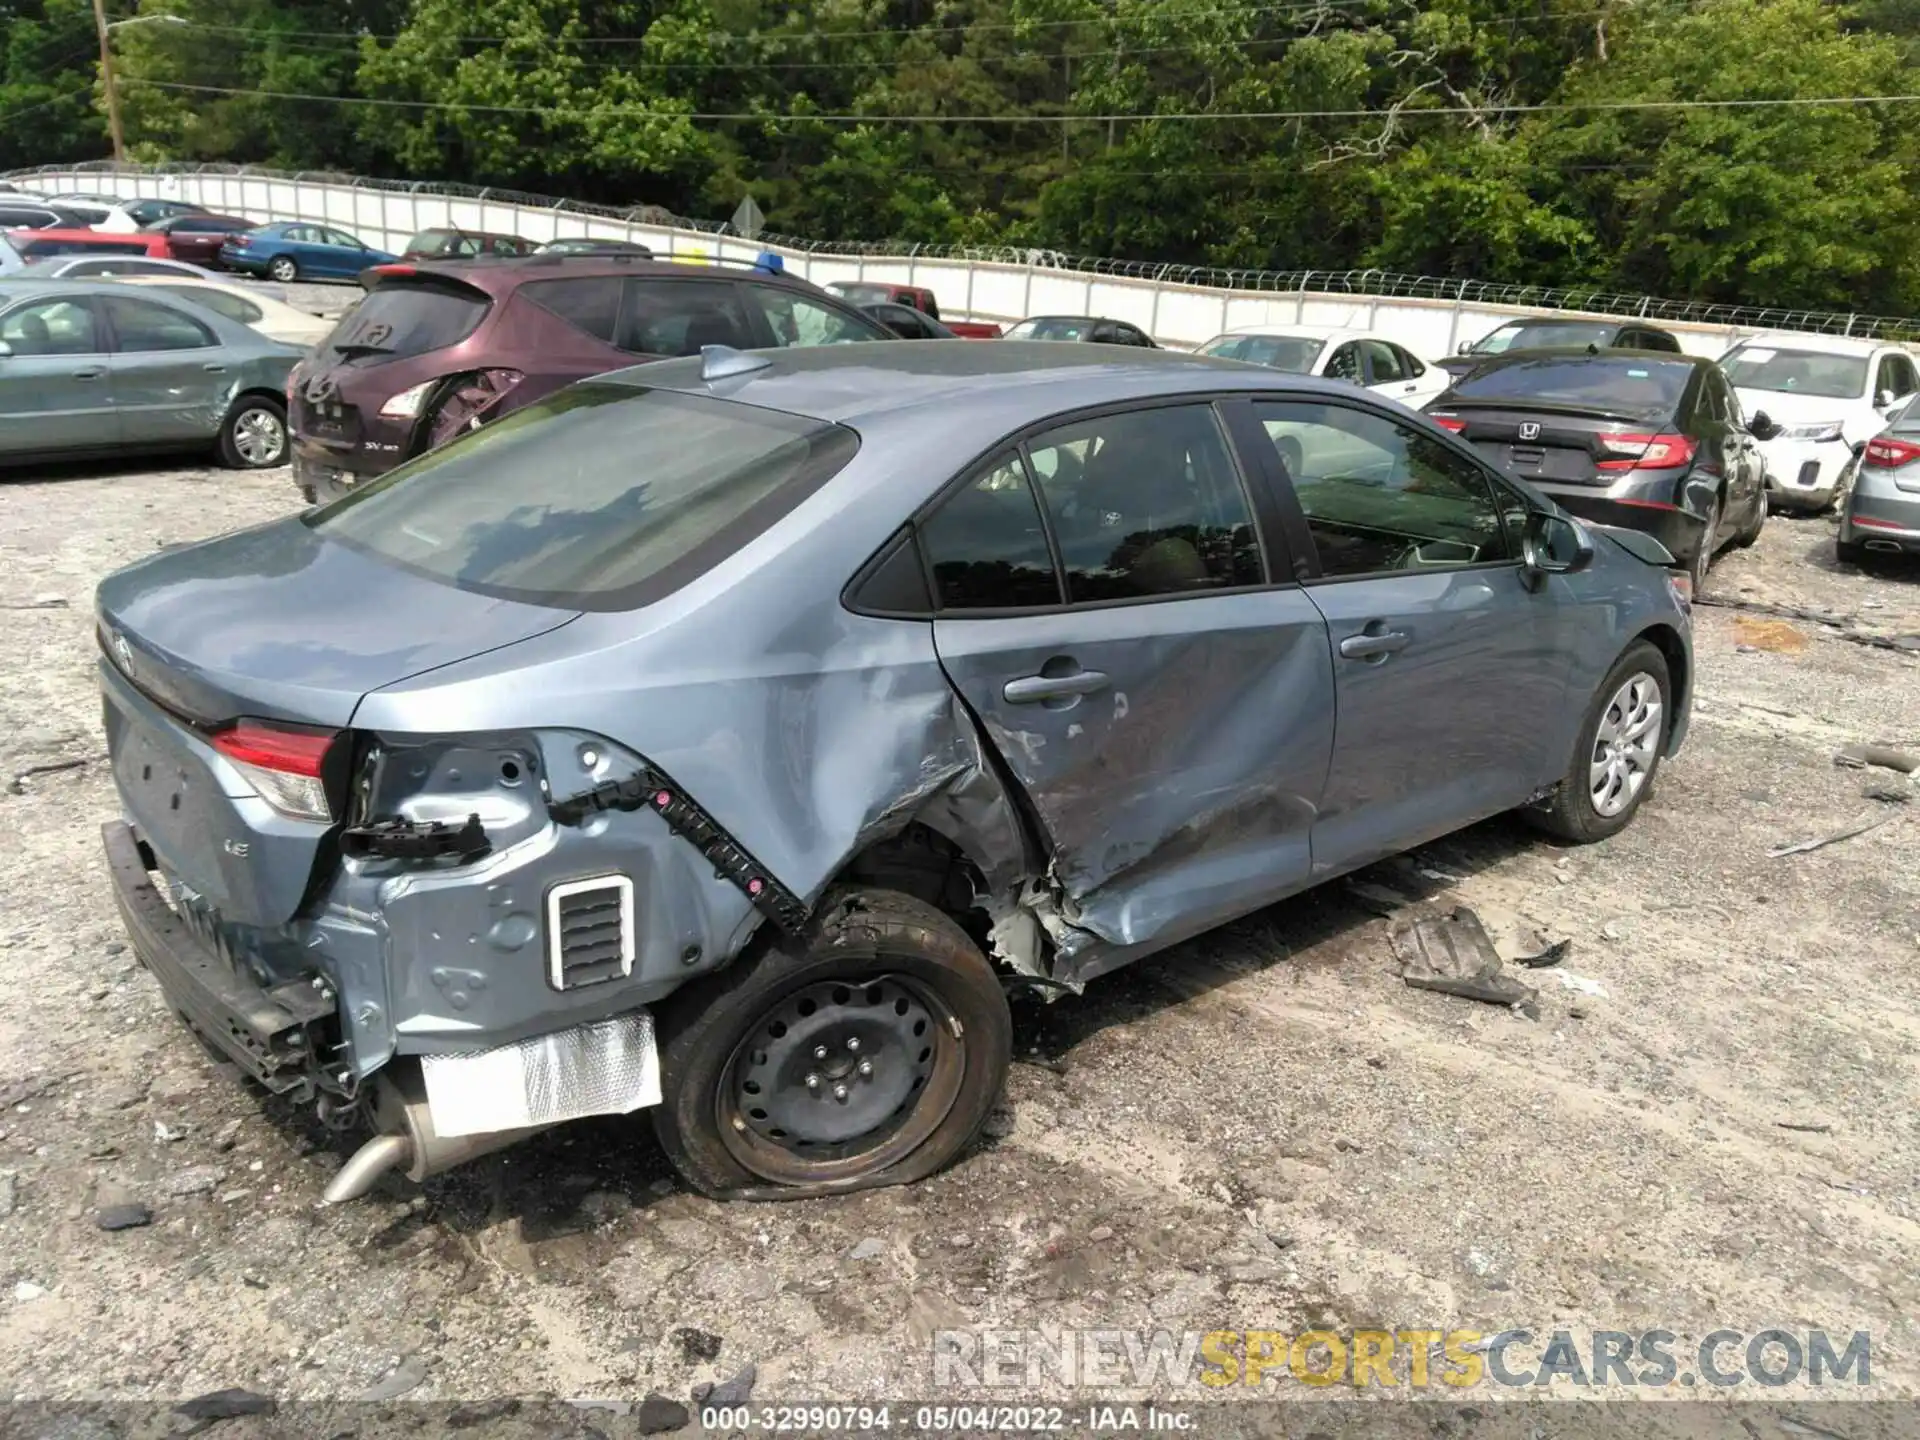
936	1419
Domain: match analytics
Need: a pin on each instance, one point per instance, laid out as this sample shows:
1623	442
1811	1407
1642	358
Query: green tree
49	63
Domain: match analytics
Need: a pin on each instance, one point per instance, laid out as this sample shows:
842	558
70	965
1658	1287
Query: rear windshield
400	319
601	497
1797	372
1545	335
862	294
1281	352
1638	388
1052	329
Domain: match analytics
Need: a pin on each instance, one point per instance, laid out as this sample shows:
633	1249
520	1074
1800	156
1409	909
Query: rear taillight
1450	422
1647	452
1886	453
282	763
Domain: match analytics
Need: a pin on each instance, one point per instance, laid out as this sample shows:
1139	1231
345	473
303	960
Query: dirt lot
1265	1130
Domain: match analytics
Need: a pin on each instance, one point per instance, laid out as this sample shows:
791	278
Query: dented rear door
171	376
1172	744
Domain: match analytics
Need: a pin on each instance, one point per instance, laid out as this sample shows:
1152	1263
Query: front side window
640	491
1382	499
796	320
1147	502
234	307
140	326
987	546
342	239
51	327
1796	372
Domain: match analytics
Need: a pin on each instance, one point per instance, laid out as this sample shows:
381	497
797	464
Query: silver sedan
91	368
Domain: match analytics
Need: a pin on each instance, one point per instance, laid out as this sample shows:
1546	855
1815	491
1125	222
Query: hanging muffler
443	1110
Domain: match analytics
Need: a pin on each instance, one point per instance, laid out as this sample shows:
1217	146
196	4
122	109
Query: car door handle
1029	689
1373	646
90	372
214	368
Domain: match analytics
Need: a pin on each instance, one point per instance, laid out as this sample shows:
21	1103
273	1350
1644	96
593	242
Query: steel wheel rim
788	1132
1625	745
282	269
258	436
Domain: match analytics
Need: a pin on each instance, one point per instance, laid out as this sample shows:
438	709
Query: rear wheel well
261	392
921	862
1666	640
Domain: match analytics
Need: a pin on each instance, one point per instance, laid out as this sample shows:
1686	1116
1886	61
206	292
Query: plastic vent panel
589	931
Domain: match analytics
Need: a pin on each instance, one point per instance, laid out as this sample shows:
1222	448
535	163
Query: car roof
1097	319
1818	344
1608	355
959	386
1309	332
501	273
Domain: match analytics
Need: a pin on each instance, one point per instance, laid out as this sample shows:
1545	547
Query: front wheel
1618	752
284	269
254	434
867	1052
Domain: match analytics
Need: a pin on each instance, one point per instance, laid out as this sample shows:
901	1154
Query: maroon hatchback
435	349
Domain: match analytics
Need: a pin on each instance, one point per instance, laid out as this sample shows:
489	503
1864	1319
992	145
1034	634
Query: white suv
1828	396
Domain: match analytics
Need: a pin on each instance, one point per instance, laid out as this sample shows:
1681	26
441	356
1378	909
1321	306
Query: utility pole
106	83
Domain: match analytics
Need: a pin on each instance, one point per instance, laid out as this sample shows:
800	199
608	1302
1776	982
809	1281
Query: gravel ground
1265	1129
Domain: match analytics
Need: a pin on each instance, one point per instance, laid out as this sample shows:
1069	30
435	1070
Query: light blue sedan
300	250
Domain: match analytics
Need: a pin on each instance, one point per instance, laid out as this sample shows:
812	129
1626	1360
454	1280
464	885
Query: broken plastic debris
1579	982
1453	955
1552	955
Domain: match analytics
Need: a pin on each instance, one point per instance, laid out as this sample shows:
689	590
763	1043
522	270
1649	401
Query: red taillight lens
282	763
1886	453
1648	452
1449	422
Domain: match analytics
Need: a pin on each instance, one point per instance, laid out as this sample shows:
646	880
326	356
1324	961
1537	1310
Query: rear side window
590	304
234	307
797	320
141	326
639	492
399	319
1640	388
987	546
677	317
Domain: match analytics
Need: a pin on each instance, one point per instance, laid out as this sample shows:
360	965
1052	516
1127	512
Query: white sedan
1364	357
1829	395
248	304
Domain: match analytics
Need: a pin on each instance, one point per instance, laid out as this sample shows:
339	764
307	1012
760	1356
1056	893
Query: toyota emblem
1530	430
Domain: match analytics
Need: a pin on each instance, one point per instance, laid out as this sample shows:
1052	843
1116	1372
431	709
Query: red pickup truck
914	297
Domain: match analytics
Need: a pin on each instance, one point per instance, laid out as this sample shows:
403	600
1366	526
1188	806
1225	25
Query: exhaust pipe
1889	547
407	1140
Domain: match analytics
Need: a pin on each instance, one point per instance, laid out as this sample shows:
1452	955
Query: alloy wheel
1625	745
259	436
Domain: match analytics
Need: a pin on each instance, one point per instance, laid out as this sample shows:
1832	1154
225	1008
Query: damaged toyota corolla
725	738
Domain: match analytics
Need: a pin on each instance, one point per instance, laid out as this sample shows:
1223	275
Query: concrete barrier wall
1175	314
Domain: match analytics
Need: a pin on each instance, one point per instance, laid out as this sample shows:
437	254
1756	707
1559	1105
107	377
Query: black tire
254	434
875	963
1570	813
284	268
1701	561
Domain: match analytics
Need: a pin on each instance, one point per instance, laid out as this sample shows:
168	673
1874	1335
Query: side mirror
1553	545
1762	426
1884	400
1465	348
6	350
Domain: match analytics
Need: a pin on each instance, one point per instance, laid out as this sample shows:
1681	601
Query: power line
1375	112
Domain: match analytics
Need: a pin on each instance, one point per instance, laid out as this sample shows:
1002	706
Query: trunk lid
274	624
1562	447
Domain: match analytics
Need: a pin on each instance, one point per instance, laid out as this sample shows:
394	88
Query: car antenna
718	362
